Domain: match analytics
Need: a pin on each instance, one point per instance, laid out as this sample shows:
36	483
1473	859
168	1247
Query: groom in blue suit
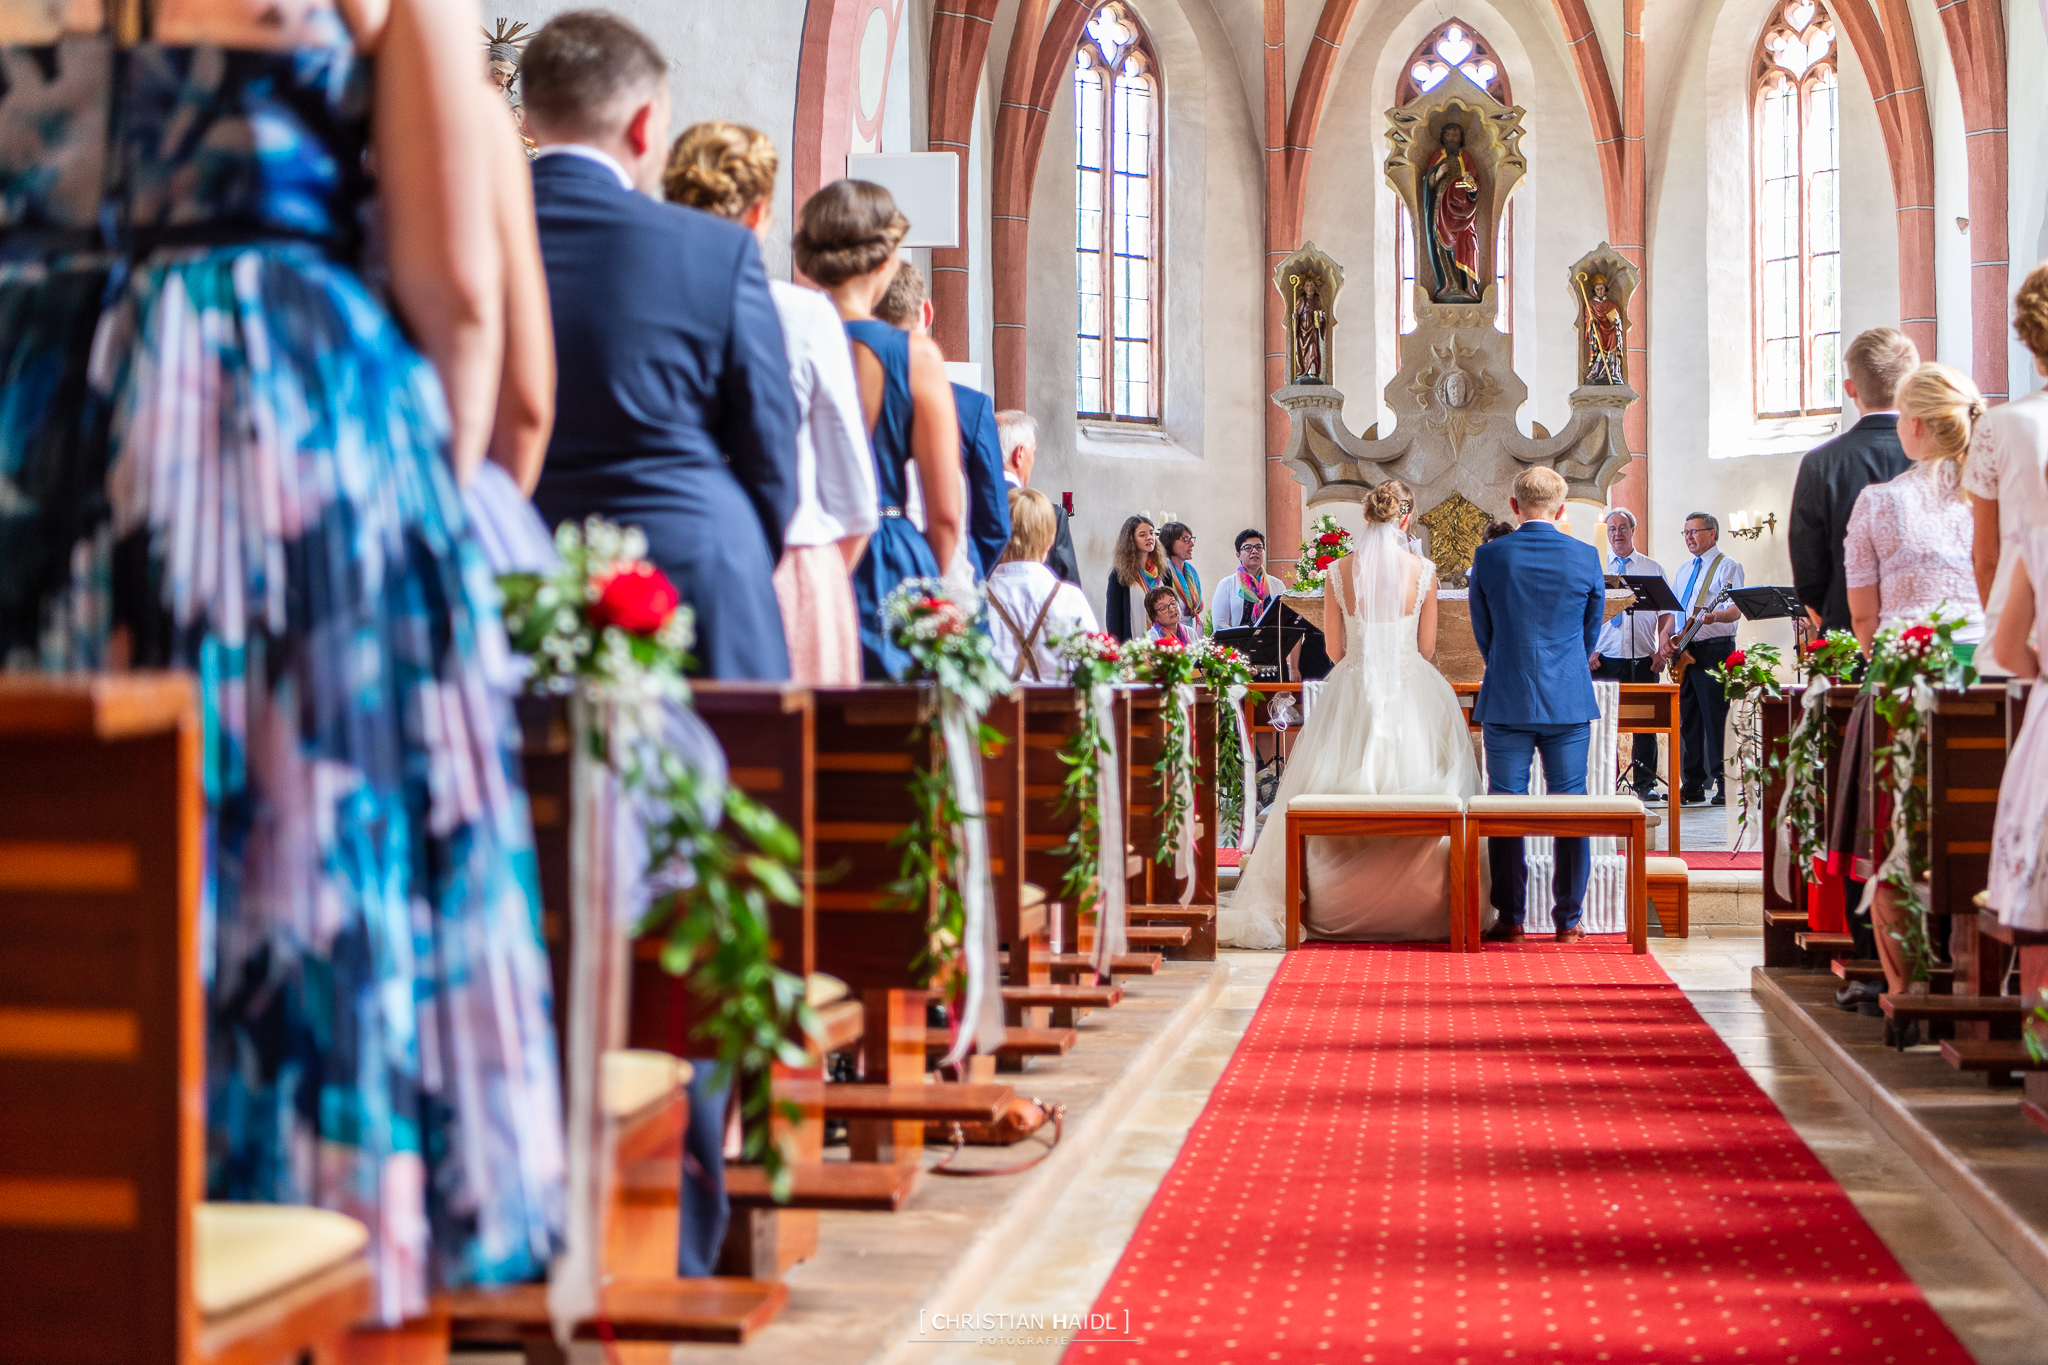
1538	599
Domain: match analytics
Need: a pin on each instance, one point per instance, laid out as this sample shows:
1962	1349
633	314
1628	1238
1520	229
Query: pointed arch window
1795	205
1455	45
1117	198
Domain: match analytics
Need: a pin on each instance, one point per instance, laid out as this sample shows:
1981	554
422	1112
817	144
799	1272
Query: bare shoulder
273	25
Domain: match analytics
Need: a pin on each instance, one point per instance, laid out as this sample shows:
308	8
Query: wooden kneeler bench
1565	817
1670	895
1378	817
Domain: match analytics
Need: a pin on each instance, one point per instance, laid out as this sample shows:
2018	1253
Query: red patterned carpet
1530	1154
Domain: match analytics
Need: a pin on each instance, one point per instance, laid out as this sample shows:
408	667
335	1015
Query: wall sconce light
1750	525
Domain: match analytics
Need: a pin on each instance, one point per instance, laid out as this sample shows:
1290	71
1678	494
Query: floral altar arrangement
1750	678
1327	543
1095	663
1802	817
945	859
1907	662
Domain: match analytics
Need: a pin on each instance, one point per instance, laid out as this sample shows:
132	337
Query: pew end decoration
1750	678
945	849
1095	663
1907	662
1327	542
1168	664
1227	674
606	629
1802	814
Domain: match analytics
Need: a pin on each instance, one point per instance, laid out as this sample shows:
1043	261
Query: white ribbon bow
1811	703
1112	899
981	1013
1248	802
1184	780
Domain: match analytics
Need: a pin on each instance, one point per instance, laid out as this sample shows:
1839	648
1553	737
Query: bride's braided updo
1385	503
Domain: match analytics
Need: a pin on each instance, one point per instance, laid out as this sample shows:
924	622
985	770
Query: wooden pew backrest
102	1068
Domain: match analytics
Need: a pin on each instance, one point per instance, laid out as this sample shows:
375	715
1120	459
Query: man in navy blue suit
673	411
1537	603
908	305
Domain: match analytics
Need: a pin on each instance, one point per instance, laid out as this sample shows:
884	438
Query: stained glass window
1797	229
1454	45
1116	219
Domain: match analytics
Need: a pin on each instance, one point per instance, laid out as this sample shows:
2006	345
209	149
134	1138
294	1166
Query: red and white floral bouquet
1327	543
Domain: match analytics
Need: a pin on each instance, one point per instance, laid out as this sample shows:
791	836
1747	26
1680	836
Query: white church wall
1205	464
2027	165
1951	189
1559	208
705	79
1708	451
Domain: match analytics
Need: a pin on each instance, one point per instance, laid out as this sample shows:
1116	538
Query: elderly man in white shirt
1626	651
1028	607
1702	702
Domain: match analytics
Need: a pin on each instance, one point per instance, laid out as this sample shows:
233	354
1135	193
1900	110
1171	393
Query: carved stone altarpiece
1457	393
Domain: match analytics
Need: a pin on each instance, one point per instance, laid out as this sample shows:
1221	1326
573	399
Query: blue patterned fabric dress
897	550
215	439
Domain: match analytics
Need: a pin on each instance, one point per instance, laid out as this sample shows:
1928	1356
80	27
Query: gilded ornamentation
1457	528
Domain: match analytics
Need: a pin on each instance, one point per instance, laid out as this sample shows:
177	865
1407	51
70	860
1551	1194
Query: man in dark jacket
907	304
673	410
1017	434
1833	473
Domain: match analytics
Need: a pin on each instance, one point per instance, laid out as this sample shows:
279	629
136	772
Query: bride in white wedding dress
1386	724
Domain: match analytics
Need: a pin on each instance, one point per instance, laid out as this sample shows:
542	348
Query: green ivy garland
1169	665
1906	662
1750	678
1093	659
607	625
941	631
1803	765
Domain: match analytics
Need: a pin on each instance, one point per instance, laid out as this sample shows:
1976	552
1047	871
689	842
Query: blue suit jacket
673	406
988	493
1537	602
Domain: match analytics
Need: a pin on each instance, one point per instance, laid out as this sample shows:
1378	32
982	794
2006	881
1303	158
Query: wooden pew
1052	717
109	1252
1965	764
1154	891
865	759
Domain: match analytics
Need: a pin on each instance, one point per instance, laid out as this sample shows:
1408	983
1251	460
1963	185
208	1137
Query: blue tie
1691	580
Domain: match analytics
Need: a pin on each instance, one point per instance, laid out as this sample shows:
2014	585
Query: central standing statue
1450	208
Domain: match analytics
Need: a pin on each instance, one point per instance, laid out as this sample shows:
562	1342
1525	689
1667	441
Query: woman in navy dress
847	242
220	452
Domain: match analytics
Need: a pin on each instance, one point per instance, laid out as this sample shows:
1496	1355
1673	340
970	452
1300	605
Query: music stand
1651	592
1766	604
1259	644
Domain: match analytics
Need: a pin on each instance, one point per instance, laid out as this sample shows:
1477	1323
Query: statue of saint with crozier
1603	332
1450	213
1308	330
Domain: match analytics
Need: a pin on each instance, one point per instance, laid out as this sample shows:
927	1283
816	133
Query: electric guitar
1681	655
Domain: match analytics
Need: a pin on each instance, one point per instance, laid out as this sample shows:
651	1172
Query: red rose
1325	561
1330	538
1919	636
637	599
1815	646
1735	659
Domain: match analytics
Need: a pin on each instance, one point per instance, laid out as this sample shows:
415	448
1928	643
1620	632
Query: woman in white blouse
1028	606
727	169
1908	547
2008	476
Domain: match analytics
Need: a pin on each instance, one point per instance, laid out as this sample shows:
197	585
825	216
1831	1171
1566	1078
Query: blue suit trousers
1563	749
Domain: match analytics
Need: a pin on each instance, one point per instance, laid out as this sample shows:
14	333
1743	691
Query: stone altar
1456	396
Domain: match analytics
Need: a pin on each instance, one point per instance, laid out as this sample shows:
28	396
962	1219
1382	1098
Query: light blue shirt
1629	636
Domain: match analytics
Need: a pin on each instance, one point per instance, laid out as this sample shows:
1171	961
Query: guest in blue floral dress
219	452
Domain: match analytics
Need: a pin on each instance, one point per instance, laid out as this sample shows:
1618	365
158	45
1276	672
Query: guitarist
1702	703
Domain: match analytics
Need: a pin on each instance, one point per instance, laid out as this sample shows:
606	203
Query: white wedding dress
1386	724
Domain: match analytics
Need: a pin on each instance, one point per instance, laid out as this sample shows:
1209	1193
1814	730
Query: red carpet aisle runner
1537	1154
1718	860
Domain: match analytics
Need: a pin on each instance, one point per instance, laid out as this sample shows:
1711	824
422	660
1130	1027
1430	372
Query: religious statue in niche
1308	282
1309	318
1602	326
1450	215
